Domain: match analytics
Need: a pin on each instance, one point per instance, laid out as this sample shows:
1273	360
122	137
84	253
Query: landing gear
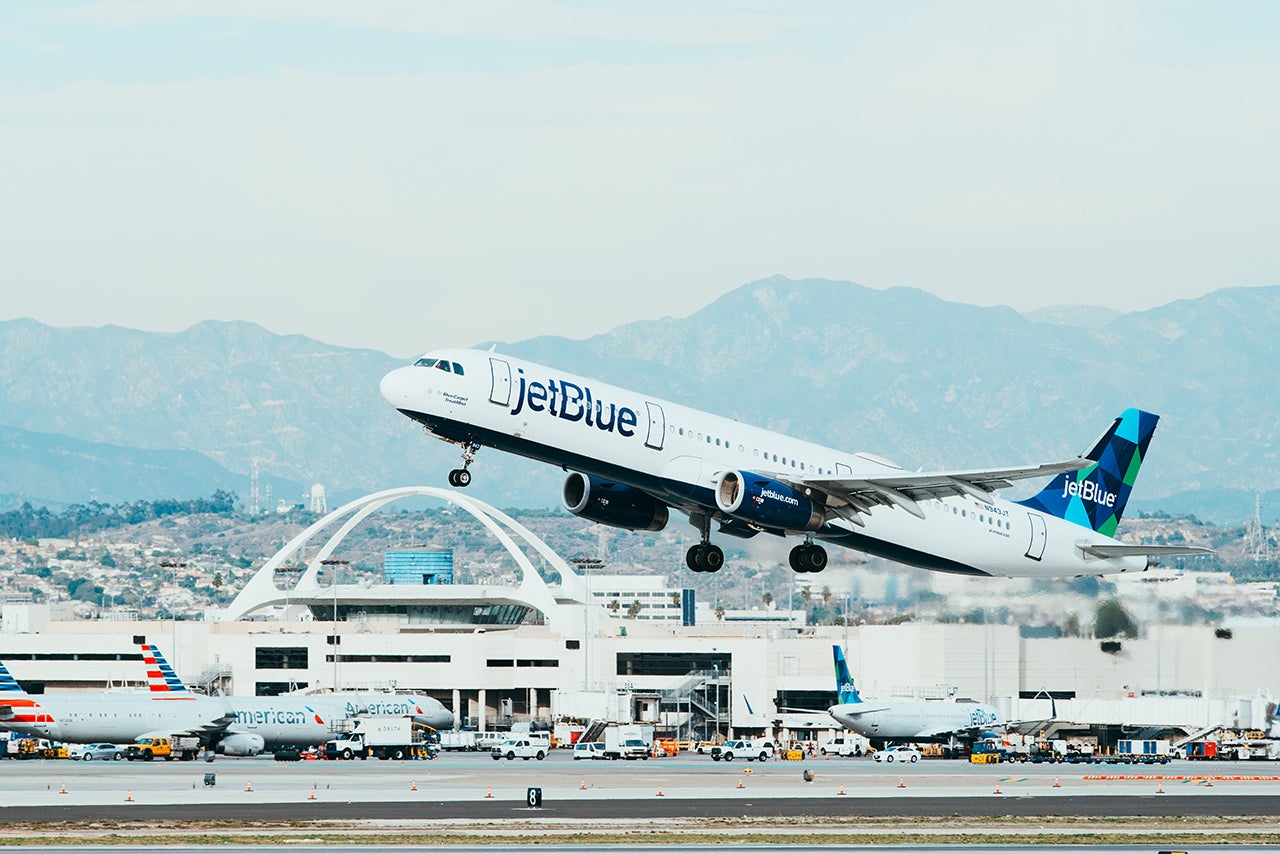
808	557
705	557
461	477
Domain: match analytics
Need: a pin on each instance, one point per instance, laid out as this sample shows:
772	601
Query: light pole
333	564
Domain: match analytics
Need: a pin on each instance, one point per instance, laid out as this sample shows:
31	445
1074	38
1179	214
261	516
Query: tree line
28	523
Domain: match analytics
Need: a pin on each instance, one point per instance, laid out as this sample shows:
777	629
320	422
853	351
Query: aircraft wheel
693	558
464	477
713	558
816	558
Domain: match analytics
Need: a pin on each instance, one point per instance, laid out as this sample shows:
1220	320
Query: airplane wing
903	488
1105	550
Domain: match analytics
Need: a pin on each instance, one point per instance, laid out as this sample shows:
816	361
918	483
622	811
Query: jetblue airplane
885	721
632	458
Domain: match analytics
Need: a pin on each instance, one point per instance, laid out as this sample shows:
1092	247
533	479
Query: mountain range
113	414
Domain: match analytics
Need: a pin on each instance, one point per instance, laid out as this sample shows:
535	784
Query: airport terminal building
501	655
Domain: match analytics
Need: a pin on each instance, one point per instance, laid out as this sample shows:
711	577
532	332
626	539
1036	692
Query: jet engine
241	744
613	504
766	503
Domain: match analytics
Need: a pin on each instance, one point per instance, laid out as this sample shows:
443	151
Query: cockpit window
424	362
457	369
443	365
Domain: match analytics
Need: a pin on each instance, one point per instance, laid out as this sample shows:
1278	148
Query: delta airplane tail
1095	496
845	692
160	676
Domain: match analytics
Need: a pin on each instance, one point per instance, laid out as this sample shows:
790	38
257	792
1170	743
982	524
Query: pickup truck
748	749
185	747
523	748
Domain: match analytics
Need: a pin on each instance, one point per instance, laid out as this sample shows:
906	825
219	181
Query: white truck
842	746
383	737
521	747
628	742
749	749
457	739
1143	751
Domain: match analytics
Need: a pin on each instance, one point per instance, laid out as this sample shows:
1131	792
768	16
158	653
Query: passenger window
457	369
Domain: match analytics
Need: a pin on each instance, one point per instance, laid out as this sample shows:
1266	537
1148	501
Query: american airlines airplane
116	717
632	458
233	726
885	721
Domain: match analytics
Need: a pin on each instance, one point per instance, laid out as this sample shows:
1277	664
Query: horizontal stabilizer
1106	550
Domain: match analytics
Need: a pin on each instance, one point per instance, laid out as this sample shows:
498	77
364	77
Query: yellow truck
184	747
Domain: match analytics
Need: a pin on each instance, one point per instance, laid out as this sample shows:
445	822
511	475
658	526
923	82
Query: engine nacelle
762	501
241	744
613	504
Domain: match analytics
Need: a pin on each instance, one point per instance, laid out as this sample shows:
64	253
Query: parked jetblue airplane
884	721
632	457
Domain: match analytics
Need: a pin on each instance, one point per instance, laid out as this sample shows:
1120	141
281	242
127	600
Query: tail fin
160	676
7	682
845	692
1095	496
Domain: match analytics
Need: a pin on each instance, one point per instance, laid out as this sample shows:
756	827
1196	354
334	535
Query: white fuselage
675	452
119	718
905	720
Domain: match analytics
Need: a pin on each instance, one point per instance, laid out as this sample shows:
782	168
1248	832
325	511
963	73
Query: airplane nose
395	387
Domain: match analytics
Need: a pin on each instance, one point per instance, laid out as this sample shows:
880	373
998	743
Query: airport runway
473	786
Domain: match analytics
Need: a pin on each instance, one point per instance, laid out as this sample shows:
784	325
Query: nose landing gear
808	557
461	477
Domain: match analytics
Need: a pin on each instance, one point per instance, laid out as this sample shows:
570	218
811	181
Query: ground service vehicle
520	748
88	752
627	742
1141	751
589	750
748	749
841	746
457	739
184	747
388	737
898	753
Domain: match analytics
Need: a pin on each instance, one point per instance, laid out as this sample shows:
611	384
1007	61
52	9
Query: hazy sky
403	175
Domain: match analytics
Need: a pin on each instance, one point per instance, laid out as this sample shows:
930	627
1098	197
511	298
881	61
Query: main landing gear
704	557
808	557
461	477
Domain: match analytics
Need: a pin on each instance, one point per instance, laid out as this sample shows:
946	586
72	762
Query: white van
522	748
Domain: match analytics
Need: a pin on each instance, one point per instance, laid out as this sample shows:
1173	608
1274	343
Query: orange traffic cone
63	790
901	785
1160	788
1056	784
583	784
248	785
129	797
1208	783
659	792
740	786
312	796
488	791
841	792
413	785
997	791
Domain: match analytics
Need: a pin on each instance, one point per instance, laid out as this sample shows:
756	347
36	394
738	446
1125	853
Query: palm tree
767	598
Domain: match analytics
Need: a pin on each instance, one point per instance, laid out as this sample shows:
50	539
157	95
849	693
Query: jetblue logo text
1089	491
571	402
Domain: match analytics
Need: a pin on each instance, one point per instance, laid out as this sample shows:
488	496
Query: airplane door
842	468
500	393
1039	537
657	426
